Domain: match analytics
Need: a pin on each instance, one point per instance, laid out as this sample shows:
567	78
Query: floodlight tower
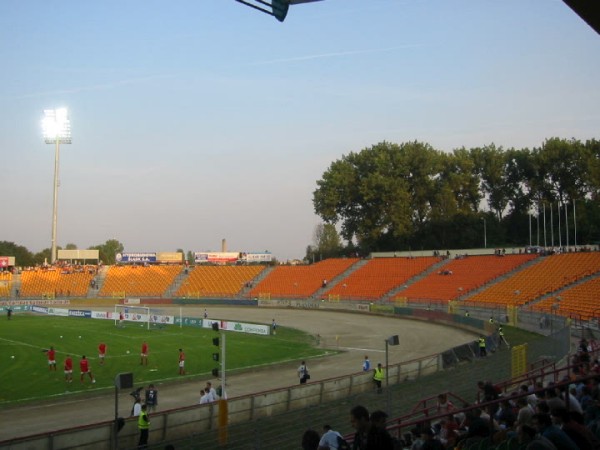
57	130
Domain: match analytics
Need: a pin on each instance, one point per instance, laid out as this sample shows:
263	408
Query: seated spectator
505	414
528	438
444	405
429	440
329	440
525	412
578	433
310	440
379	423
367	436
543	424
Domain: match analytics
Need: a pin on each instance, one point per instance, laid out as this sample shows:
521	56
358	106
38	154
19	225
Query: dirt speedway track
354	334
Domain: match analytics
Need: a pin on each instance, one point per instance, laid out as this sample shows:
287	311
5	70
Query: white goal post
132	313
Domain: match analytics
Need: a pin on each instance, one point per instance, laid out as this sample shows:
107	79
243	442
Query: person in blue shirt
366	364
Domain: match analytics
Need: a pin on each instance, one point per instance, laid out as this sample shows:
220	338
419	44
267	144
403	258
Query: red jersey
181	356
102	348
51	354
144	348
68	364
83	365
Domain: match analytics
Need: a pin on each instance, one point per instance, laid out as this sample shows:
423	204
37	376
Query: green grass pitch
26	376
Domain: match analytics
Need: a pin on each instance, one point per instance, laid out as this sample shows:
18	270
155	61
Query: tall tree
490	163
369	194
23	257
108	251
327	241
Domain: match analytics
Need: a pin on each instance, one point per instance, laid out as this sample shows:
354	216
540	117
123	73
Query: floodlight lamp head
56	126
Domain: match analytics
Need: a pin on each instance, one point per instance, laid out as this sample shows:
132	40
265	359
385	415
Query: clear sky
198	120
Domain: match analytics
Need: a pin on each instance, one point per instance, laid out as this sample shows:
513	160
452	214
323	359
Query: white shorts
144	355
101	355
68	372
181	363
51	362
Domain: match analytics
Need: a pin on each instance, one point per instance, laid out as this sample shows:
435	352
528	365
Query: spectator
310	440
329	440
525	412
379	422
543	424
366	364
211	392
151	398
303	373
429	440
528	439
367	437
359	418
137	408
578	433
444	405
204	398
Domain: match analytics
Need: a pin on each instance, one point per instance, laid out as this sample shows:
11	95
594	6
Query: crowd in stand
64	267
537	416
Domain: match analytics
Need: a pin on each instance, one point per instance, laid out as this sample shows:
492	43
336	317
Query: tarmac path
356	335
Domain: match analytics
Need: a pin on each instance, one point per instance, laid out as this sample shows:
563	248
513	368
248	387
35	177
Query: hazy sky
198	120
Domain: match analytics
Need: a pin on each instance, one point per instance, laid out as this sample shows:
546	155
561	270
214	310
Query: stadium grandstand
564	284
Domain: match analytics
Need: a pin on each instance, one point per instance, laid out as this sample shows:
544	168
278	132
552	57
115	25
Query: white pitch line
372	350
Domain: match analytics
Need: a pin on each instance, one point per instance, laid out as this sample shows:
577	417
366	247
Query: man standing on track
144	354
303	373
144	427
366	364
378	376
151	398
482	349
181	362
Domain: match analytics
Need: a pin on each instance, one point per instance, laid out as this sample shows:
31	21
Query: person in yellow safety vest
502	338
482	351
144	427
492	320
378	377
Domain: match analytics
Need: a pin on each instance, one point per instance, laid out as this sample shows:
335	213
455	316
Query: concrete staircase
261	276
178	281
15	287
434	268
500	278
100	278
564	288
331	283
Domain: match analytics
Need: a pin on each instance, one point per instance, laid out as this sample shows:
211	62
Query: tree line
410	196
26	258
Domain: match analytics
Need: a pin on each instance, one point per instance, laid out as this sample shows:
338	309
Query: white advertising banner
58	311
251	328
